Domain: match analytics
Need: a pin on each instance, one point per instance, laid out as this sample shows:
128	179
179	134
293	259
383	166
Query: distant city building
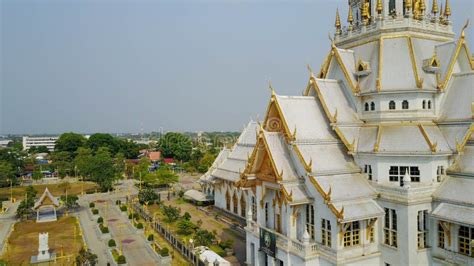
4	143
48	142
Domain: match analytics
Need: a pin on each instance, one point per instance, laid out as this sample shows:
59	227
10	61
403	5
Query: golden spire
408	4
434	8
441	13
365	13
447	9
350	17
338	22
422	6
379	7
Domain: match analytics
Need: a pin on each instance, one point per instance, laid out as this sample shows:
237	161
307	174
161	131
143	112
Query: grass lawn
23	241
55	189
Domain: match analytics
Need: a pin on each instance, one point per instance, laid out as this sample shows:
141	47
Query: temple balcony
390	24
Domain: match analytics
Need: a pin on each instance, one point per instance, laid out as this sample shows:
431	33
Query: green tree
83	161
70	142
175	145
206	162
99	140
70	201
37	175
203	238
171	213
62	162
38	149
7	173
119	164
102	169
142	167
147	196
128	148
160	177
185	227
26	205
86	258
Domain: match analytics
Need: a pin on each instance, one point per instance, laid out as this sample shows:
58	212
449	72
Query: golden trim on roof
433	145
327	198
307	166
460	146
379	138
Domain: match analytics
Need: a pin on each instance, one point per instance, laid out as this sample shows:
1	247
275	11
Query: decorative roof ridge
336	172
465	73
316	142
299	97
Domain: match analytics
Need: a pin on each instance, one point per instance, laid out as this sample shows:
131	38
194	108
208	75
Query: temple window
396	173
429	104
439	173
465	237
405	104
368	171
372	234
243	204
390	227
372	106
267	222
441	236
366	108
310	220
326	232
393	173
414	174
424	104
422	228
391	6
352	234
391	105
227	200
254	209
236	203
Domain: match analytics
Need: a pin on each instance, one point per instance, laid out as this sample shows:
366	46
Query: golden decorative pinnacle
350	17
338	22
422	6
408	4
464	28
379	7
447	9
441	13
434	8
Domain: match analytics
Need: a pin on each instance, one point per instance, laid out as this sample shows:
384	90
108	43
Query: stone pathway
7	220
133	243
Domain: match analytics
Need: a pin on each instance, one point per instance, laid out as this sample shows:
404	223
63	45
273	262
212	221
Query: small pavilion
45	207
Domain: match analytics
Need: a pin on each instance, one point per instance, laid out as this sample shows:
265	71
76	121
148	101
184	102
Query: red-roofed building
168	160
154	156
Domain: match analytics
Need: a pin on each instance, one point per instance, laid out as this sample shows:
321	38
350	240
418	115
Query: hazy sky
120	66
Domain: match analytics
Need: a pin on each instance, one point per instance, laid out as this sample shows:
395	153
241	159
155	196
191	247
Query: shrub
91	205
104	229
219	250
95	211
151	237
181	193
121	259
164	252
187	216
123	208
100	220
132	216
112	243
139	226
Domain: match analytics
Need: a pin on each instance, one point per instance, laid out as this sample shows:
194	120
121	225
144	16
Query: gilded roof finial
379	7
408	4
338	22
447	10
464	28
365	12
271	88
311	74
350	19
441	14
434	8
422	6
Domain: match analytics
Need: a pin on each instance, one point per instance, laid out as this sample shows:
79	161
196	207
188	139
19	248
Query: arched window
366	107
372	106
310	221
424	104
227	200
429	104
243	205
405	104
391	105
254	209
236	203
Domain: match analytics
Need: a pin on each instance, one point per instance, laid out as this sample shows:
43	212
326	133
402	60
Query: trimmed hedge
104	229
95	211
139	226
121	259
150	237
123	208
91	205
100	220
164	252
112	243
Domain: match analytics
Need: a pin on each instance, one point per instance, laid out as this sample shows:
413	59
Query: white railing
283	242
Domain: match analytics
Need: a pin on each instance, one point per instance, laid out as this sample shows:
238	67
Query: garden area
64	239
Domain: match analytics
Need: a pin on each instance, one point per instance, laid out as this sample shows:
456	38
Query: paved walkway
133	243
7	220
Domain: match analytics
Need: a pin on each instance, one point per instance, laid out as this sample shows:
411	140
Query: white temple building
219	182
374	165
